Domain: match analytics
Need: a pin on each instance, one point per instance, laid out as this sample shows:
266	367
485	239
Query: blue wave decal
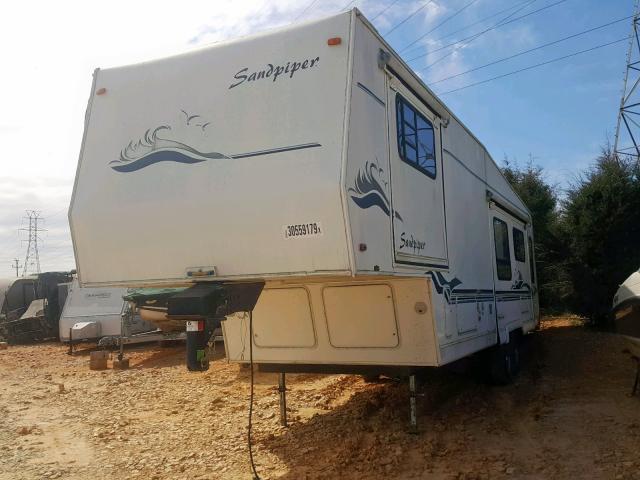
368	191
156	157
371	199
152	148
442	285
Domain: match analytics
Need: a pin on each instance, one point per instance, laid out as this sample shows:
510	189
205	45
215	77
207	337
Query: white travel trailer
94	313
626	306
314	159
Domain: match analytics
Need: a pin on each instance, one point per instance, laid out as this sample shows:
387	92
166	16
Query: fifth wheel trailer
313	160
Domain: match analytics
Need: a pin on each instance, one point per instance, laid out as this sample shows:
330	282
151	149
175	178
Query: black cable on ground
253	465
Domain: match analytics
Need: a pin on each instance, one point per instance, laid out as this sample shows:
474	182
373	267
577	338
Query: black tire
504	362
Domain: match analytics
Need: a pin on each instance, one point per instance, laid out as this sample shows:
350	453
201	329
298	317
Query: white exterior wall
465	321
368	158
154	223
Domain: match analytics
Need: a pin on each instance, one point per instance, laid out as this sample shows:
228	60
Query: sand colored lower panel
369	321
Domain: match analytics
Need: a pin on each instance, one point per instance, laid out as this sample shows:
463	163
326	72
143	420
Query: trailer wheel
504	362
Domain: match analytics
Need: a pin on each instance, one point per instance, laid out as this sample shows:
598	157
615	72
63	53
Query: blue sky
561	114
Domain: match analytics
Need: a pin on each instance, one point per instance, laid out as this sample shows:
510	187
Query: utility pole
32	258
16	265
627	139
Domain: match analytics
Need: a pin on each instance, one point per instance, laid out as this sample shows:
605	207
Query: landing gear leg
70	352
637	382
282	391
413	415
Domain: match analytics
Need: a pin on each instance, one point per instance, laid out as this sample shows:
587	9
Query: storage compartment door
361	316
282	318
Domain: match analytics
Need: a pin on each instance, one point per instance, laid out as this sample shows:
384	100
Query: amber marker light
334	41
101	91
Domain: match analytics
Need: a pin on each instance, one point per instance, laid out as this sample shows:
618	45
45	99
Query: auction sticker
195	325
303	230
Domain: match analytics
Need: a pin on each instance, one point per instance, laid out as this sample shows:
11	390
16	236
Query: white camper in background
94	313
626	306
314	159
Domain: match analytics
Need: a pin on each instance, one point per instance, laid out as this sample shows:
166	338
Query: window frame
400	137
523	258
502	262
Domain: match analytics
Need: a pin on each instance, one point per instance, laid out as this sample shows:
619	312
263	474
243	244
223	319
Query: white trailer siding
285	134
464	297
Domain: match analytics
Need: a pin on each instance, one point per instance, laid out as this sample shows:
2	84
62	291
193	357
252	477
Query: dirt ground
569	415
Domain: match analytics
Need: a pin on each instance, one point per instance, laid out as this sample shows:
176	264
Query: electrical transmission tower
33	256
627	140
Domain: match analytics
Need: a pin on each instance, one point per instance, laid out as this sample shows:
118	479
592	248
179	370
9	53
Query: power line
348	5
58	212
530	50
313	2
385	9
505	21
455	49
450	17
531	67
466	27
429	2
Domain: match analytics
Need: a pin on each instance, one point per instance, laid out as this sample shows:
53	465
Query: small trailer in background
626	314
626	306
102	315
326	208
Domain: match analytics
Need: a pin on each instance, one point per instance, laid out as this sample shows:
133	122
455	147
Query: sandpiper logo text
274	72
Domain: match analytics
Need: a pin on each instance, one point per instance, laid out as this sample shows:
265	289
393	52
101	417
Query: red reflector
334	41
101	91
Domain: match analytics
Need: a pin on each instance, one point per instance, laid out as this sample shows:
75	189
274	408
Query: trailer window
503	255
416	140
518	245
531	263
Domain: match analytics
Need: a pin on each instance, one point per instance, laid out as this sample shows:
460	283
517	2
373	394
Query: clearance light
101	91
334	41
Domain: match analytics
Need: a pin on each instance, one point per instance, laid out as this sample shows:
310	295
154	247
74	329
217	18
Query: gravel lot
568	416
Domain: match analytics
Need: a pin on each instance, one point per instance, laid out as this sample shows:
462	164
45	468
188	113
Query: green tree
601	222
541	198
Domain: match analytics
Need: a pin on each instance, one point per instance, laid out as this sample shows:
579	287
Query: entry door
511	272
416	180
